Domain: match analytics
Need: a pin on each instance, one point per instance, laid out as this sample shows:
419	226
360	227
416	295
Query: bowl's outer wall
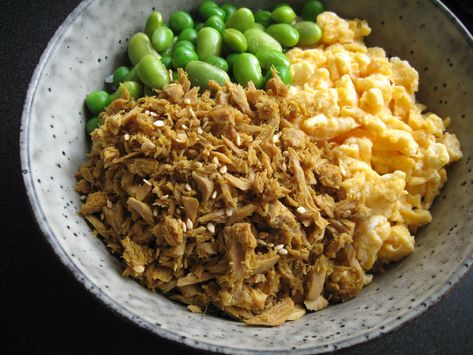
92	43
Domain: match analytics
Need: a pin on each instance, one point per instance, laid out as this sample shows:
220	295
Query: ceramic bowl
92	42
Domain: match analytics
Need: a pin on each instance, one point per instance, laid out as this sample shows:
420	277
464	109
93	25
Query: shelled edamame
222	43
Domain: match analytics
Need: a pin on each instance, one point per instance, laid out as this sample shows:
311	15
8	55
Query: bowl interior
92	42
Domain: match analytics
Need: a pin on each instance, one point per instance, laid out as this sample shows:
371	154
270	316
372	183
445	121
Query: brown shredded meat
217	200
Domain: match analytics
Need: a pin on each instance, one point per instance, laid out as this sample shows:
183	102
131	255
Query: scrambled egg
391	153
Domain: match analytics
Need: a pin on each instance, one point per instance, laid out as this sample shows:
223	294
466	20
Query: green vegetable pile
225	44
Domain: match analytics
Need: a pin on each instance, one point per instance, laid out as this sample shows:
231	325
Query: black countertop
45	310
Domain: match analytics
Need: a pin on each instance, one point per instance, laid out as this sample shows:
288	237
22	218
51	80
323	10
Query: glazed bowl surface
92	42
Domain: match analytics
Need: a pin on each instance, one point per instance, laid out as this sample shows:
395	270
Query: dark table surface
45	310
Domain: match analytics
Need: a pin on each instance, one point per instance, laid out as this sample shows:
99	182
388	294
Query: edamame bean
258	40
209	42
284	72
155	20
309	33
284	34
92	124
246	68
189	34
242	20
263	17
119	75
134	89
162	38
97	101
283	14
132	75
186	44
311	10
268	57
152	72
199	74
229	10
166	61
208	9
234	40
182	56
215	22
279	4
218	62
231	59
259	26
139	45
179	21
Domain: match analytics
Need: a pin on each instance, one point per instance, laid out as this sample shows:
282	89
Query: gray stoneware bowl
92	41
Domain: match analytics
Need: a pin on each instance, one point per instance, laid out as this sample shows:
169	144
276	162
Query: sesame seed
154	114
148	145
276	138
283	167
285	153
261	242
184	126
109	204
147	182
229	212
270	245
238	140
184	227
187	101
301	210
138	269
189	224
223	169
165	197
279	246
155	212
214	195
159	123
188	187
83	198
215	160
147	112
211	227
306	223
282	251
192	113
126	137
199	130
181	137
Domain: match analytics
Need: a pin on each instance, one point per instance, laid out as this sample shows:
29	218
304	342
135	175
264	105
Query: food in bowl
261	198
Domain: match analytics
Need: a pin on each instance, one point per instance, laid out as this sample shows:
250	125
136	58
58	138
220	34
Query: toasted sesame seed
211	227
148	145
282	251
83	198
279	246
184	126
126	137
223	169
238	140
216	161
154	114
155	212
200	130
306	223
285	153
261	242
276	138
188	187
159	123
214	195
147	112
270	245
181	137
147	182
189	224
109	204
229	212
187	101
138	269
165	197
301	210
184	227
283	167
192	113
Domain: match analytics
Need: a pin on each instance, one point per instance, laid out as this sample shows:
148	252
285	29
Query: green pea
139	45
186	44
258	40
199	74
311	10
182	56
134	88
119	75
208	9
268	57
219	62
166	61
92	124
97	101
155	20
263	17
215	22
229	10
246	68
198	26
152	72
179	21
162	38
234	40
189	34
242	20
209	42
147	91
231	59
284	72
284	34
283	14
309	33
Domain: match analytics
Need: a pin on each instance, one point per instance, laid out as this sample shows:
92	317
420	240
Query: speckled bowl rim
41	220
